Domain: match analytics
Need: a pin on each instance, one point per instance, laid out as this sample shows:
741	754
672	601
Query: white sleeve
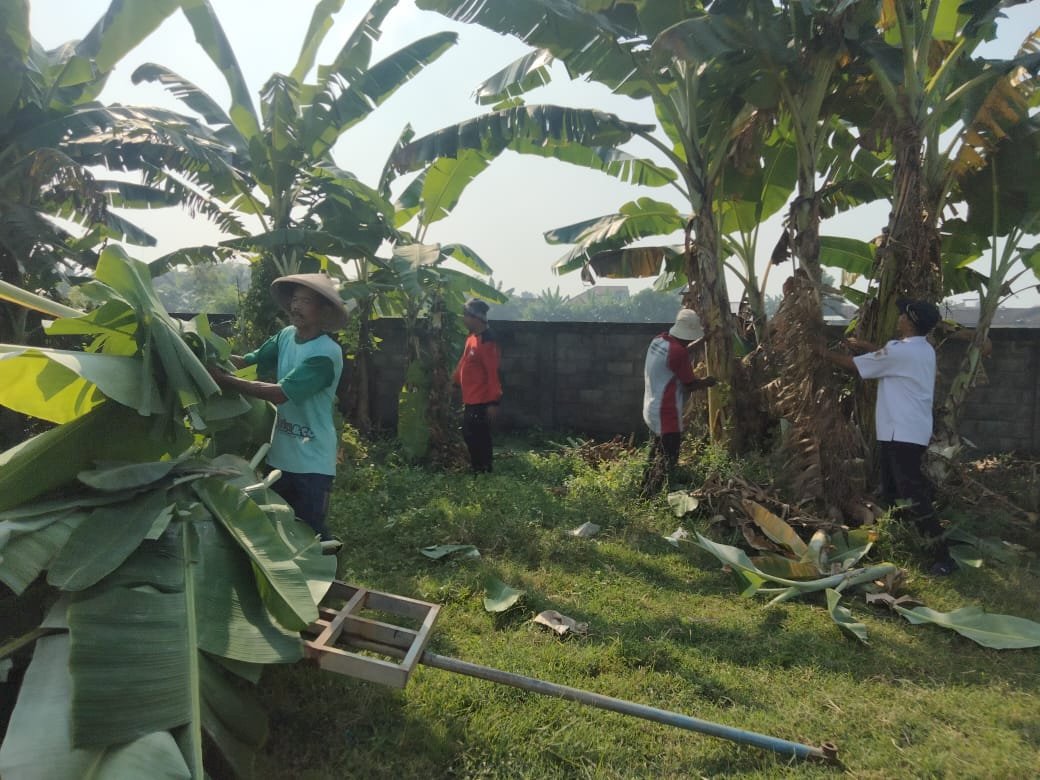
887	361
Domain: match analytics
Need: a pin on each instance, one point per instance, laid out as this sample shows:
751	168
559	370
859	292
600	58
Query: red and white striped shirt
667	370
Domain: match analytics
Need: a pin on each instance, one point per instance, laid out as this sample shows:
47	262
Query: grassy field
666	629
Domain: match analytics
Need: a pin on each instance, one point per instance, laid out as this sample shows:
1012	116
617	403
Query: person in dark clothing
477	375
905	370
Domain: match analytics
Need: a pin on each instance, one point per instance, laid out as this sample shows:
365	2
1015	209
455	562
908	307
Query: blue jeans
308	495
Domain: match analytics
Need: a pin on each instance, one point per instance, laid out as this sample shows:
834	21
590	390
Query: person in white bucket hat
668	379
298	370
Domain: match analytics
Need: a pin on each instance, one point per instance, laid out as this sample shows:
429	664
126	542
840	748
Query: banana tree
180	573
53	135
1003	206
287	147
700	106
927	82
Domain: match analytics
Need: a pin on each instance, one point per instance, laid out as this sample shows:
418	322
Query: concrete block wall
588	378
1003	410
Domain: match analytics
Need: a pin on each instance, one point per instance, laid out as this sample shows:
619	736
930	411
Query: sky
505	211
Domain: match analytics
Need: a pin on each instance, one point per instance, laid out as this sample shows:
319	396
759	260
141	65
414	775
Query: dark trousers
308	495
903	480
476	431
662	460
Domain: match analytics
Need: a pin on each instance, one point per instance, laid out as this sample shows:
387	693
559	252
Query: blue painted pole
790	749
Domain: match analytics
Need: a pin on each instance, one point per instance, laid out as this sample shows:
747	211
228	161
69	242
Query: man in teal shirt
298	370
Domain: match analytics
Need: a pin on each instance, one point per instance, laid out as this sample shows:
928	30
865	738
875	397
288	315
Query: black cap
476	308
923	314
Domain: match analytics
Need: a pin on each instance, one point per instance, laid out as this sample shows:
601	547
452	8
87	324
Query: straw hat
334	317
687	326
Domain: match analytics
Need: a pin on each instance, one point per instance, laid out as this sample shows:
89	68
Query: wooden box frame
328	640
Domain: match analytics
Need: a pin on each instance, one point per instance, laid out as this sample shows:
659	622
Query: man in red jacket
477	375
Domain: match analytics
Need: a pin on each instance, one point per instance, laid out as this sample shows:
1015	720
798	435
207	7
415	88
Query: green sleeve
308	378
265	359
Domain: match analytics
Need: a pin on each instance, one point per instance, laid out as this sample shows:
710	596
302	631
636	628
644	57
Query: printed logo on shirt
295	429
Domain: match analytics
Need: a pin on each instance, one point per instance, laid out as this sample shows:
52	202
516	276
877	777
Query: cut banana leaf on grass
440	551
843	617
1000	632
560	623
682	503
986	547
498	596
754	578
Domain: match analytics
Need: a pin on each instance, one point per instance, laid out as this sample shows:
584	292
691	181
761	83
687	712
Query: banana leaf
59	386
233	717
282	584
100	544
126	477
843	617
754	577
53	458
1000	632
27	555
498	596
38	743
775	528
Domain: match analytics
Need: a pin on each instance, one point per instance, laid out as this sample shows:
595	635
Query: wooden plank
398	605
375	631
331	633
340	590
353	665
419	644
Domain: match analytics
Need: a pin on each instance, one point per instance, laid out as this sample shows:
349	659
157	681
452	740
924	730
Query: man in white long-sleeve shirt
905	370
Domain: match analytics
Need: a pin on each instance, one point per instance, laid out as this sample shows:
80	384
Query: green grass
666	630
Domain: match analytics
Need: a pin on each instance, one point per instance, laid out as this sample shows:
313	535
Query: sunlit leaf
498	596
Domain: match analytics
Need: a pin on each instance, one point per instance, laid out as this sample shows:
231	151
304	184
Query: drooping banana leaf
233	621
105	539
25	556
38	741
282	584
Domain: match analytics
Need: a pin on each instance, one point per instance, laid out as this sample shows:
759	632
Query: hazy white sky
505	211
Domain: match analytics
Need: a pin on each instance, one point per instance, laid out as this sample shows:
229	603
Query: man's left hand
492	413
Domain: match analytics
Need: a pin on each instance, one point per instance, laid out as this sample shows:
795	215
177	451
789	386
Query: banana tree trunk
438	409
709	297
361	389
908	262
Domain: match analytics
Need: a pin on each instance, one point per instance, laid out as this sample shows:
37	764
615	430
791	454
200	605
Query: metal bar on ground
792	749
